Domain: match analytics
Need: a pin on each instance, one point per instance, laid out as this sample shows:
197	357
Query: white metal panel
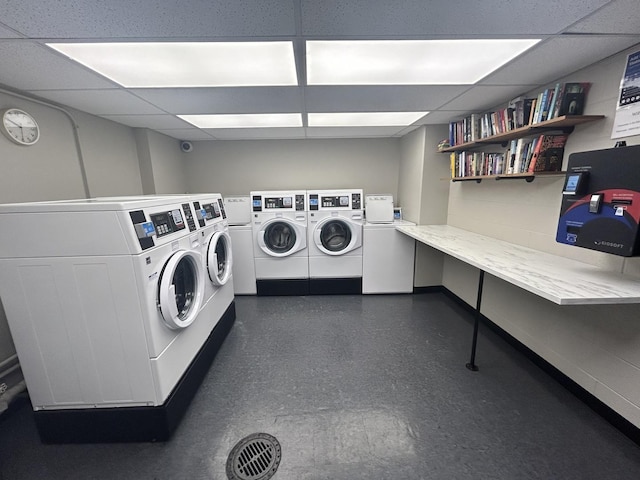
244	272
387	260
295	266
169	367
343	266
67	234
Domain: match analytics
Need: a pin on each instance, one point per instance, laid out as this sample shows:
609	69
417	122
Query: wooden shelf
528	177
564	123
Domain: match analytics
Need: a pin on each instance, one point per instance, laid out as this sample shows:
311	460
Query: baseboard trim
135	424
606	412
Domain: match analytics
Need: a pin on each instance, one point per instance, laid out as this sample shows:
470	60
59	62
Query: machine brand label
609	244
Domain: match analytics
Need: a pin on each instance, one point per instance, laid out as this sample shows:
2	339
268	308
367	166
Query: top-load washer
105	301
279	225
217	252
238	208
335	241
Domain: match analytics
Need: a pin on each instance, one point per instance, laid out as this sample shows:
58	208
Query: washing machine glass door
181	289
219	258
279	238
334	236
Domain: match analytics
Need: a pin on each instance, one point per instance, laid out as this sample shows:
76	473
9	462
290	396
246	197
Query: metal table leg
472	363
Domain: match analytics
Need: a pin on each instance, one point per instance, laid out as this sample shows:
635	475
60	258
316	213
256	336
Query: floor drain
255	457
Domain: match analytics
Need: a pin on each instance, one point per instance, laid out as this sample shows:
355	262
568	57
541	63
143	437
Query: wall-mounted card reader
595	202
601	201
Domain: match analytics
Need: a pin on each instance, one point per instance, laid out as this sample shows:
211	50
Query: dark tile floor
357	387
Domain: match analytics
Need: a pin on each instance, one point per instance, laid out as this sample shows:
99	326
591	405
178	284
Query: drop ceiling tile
182	101
438	118
7	33
154	122
256	133
191	134
100	102
352	132
36	67
388	98
557	57
417	17
484	97
620	16
151	18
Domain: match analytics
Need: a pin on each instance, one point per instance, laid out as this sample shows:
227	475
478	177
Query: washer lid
180	289
281	237
219	258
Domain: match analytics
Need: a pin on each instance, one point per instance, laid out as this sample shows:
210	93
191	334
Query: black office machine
601	201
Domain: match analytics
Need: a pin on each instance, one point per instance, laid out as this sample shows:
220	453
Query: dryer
279	227
105	302
217	252
335	241
238	208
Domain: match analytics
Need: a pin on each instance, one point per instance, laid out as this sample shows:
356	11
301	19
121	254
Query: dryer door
180	289
337	236
219	258
281	237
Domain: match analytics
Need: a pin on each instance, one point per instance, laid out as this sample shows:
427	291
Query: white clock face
20	127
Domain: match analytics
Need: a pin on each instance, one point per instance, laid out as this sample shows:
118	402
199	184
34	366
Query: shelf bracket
527	178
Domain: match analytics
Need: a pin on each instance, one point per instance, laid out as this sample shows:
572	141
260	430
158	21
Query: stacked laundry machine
117	307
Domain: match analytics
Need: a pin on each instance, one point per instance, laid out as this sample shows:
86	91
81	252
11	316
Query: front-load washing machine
335	241
105	302
238	208
217	252
279	226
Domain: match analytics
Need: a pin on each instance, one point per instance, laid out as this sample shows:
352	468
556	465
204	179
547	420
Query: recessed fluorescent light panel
261	120
364	119
187	64
408	62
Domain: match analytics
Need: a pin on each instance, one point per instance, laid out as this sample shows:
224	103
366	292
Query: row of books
541	154
563	99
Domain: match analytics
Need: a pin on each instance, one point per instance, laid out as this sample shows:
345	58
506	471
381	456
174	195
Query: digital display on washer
335	201
167	222
278	202
212	210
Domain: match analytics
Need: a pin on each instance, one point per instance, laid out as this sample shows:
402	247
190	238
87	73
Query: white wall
237	167
596	346
423	190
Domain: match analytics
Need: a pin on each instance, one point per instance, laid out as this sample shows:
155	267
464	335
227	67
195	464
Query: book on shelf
548	153
473	164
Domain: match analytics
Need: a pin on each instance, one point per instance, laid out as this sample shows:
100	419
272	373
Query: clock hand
16	124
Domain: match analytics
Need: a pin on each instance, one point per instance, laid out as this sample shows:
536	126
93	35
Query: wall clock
19	127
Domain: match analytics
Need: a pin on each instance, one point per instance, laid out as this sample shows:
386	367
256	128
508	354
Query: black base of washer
335	286
293	286
135	424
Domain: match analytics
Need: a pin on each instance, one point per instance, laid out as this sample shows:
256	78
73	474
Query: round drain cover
255	457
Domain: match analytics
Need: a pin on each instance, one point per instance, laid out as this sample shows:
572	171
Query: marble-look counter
558	279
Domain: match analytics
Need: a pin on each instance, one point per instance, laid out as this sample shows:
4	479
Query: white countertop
558	279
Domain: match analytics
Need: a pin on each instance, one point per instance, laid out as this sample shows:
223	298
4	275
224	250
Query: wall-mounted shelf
566	123
528	177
